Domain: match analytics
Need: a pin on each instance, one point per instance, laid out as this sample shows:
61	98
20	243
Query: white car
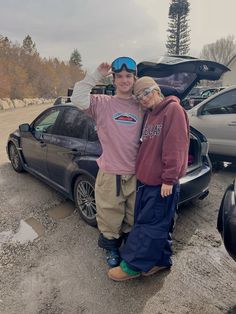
215	117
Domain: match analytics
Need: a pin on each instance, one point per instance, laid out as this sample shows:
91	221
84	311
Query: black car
198	94
226	223
61	145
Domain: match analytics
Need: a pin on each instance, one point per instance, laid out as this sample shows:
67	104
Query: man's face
124	81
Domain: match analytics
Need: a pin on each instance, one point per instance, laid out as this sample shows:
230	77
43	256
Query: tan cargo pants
115	214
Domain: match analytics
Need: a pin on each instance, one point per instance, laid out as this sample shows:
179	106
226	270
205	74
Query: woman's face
150	100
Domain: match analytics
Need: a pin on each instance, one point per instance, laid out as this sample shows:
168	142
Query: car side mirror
25	127
194	112
201	111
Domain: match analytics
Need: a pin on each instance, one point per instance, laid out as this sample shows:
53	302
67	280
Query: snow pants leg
149	242
115	214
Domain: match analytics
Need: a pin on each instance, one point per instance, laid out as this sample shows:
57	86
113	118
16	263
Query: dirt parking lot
50	262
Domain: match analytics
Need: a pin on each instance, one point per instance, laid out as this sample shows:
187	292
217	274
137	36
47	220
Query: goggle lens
145	92
124	62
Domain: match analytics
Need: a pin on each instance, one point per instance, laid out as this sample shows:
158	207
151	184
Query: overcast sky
103	29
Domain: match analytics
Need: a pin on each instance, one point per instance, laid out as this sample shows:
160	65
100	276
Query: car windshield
178	81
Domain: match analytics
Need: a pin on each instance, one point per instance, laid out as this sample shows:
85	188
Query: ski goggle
124	63
145	92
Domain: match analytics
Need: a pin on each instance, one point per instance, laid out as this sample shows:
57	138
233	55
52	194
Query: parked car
194	97
226	223
211	91
97	89
61	145
216	119
198	94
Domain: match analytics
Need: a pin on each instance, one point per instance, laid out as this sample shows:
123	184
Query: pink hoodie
119	124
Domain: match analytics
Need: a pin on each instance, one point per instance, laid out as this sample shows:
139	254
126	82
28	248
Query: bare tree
220	51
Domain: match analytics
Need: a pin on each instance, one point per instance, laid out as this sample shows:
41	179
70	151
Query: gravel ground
63	271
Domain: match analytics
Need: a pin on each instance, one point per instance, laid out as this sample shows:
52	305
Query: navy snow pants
149	242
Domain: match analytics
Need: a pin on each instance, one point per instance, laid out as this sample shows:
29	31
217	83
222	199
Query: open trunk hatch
178	75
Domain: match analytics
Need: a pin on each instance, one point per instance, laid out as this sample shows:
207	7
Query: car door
35	143
216	119
66	144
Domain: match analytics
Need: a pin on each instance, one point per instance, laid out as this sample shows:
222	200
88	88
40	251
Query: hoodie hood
164	103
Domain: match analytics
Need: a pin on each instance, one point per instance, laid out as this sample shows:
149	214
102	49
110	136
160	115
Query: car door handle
42	144
75	151
233	123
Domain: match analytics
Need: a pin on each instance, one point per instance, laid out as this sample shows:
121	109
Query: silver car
215	117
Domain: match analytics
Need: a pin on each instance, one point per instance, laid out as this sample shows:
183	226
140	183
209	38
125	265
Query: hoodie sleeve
81	96
175	143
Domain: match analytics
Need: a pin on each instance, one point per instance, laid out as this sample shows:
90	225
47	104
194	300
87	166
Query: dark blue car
61	145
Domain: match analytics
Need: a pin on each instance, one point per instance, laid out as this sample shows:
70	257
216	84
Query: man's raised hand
104	69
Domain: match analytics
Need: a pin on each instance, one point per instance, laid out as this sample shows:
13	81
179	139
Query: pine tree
75	58
178	41
29	46
4	41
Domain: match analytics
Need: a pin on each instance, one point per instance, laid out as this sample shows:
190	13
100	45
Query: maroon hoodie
163	154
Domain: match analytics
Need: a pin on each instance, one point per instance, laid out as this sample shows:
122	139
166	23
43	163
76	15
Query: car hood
178	75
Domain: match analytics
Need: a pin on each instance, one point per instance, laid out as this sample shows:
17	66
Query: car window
222	104
46	122
179	81
75	123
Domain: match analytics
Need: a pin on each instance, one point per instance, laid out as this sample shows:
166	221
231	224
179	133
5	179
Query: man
162	160
118	119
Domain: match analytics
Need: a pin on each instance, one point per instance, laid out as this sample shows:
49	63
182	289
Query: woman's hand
166	190
104	69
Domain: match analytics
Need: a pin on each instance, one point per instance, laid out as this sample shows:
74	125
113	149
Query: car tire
84	197
15	158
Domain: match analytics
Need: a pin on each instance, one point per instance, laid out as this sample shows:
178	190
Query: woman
161	162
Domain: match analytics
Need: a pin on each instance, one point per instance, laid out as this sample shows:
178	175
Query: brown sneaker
117	274
154	270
